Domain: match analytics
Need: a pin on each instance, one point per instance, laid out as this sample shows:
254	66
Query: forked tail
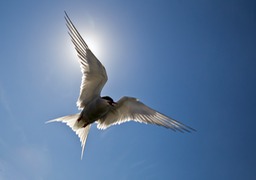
71	121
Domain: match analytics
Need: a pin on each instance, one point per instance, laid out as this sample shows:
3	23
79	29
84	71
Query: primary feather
129	108
94	73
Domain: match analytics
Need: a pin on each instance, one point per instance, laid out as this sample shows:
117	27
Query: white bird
104	110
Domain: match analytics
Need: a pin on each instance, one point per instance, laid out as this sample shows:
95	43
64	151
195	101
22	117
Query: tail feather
81	132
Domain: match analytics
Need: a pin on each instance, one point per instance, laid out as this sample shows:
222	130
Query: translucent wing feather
94	73
129	108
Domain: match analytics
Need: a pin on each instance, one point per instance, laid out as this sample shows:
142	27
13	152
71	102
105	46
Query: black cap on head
107	98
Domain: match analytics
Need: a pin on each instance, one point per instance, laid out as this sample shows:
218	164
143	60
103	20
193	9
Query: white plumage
103	110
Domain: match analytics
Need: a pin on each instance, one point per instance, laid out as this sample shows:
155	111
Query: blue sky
192	60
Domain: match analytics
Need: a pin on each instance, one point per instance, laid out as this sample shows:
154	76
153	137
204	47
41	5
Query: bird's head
109	100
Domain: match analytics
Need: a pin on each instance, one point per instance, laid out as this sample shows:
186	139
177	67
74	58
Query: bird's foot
79	119
85	125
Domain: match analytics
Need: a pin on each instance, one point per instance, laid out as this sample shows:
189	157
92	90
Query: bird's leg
79	119
86	124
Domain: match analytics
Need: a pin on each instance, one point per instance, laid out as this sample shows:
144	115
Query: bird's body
103	110
95	110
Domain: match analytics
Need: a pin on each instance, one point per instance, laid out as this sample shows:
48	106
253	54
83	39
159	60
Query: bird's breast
95	111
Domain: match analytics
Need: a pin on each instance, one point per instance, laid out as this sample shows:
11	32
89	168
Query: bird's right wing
94	73
129	108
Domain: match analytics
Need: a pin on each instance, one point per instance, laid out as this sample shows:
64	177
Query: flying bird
104	110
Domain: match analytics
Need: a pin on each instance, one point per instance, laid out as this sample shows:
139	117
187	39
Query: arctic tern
103	110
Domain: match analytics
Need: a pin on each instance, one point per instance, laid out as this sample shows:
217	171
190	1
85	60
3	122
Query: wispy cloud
3	101
26	162
19	159
9	114
34	160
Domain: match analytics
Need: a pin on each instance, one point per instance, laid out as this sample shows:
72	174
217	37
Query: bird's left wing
94	73
129	108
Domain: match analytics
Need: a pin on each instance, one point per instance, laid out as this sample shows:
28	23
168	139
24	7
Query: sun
93	43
